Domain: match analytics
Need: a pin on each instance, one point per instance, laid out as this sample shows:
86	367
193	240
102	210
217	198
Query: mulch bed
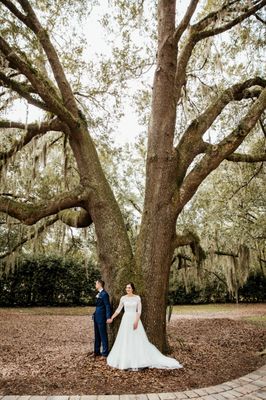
47	355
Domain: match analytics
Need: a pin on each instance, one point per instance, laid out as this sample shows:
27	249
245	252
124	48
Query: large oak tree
174	171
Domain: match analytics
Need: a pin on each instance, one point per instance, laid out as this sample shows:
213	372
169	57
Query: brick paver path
248	387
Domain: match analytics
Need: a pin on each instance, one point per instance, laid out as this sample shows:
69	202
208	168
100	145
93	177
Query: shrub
48	280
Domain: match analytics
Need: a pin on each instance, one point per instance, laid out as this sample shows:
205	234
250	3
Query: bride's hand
135	325
109	321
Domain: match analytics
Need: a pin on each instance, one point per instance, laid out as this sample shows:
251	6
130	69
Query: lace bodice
130	304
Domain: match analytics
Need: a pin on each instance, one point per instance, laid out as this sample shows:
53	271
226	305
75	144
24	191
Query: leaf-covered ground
47	354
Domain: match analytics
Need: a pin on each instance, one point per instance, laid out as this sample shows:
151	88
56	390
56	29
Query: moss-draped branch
197	32
217	153
32	235
23	89
186	153
189	238
31	21
32	130
75	218
242	14
29	213
40	84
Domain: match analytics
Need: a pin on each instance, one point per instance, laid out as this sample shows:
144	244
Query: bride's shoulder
137	296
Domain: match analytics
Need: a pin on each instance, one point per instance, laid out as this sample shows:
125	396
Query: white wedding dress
132	349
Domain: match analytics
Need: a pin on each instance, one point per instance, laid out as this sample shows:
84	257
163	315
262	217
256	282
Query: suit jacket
103	308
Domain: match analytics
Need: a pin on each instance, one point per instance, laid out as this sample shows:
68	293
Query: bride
132	349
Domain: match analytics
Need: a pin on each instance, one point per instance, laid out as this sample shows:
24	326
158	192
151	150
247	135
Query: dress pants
101	338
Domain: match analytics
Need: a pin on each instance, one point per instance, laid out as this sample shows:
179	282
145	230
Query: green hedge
253	291
48	281
56	281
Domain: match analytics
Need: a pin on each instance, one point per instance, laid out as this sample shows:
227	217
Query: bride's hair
132	285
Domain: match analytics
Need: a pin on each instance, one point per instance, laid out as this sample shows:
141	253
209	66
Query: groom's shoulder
104	293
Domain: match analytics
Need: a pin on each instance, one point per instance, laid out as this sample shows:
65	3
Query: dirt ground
47	355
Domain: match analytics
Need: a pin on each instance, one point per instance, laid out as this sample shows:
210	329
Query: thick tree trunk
114	248
156	240
115	255
155	253
155	246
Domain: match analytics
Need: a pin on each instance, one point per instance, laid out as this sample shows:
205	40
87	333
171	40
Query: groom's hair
101	282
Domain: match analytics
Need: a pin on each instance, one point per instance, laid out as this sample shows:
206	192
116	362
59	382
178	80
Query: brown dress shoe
93	355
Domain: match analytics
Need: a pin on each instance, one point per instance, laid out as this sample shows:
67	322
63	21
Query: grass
83	311
258	320
67	311
205	308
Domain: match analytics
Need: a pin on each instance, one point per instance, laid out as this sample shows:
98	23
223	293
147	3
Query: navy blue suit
101	314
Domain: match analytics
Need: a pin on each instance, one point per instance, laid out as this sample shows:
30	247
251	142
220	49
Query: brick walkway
249	387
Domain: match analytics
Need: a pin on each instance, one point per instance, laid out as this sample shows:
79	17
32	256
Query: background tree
228	215
181	152
48	281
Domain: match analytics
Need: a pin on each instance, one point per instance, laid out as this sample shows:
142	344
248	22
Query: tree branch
181	265
40	84
29	214
185	54
185	21
197	128
213	17
182	62
30	236
23	90
260	19
217	276
32	22
246	184
76	218
238	157
32	130
14	10
262	127
135	205
196	33
217	153
185	239
249	158
191	238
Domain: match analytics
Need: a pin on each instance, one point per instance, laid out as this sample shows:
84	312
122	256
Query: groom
100	316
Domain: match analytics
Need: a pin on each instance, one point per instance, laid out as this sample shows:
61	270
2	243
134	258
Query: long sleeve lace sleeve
120	306
139	306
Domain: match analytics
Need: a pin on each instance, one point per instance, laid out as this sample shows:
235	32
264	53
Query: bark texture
157	234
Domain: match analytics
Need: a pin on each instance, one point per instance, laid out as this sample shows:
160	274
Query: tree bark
155	243
114	248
